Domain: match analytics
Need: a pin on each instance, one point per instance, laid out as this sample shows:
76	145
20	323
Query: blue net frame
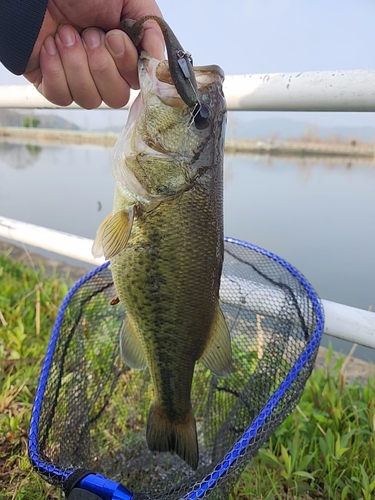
236	456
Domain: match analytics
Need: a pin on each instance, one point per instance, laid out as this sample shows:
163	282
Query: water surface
319	217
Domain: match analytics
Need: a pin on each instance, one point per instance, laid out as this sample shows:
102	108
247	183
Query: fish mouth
155	78
156	81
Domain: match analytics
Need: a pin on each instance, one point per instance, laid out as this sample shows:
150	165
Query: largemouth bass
165	242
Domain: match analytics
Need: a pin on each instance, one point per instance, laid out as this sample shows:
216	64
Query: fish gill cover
90	410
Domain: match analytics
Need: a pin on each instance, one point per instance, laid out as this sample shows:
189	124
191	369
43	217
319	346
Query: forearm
20	22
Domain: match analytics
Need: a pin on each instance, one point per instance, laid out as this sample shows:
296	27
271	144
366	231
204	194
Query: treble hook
180	62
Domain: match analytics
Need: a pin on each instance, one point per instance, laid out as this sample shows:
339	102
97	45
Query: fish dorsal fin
218	353
116	232
97	247
131	348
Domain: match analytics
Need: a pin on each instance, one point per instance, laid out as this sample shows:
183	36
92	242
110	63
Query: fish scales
165	242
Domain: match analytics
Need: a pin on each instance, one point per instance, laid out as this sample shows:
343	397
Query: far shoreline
305	148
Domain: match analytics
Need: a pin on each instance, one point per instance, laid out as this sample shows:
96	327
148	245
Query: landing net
90	410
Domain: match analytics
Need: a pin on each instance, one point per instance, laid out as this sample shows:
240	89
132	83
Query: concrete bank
355	369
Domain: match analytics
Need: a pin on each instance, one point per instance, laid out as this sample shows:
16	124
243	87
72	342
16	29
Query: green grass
28	306
325	449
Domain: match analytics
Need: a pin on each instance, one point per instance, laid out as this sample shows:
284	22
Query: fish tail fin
180	435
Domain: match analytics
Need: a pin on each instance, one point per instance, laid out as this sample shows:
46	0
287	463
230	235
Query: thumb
153	40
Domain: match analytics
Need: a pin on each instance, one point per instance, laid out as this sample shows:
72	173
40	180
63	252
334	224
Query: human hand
74	61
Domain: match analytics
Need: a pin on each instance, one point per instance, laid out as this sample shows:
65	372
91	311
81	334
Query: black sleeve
20	23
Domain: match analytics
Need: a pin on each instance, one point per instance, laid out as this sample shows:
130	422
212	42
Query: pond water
319	217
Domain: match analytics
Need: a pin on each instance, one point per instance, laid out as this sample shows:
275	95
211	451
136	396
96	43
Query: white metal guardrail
344	322
352	90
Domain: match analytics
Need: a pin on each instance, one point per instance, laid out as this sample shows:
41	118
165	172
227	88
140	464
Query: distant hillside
242	126
9	118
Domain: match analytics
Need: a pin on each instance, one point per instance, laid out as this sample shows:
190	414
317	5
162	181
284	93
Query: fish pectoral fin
116	232
97	247
131	348
218	353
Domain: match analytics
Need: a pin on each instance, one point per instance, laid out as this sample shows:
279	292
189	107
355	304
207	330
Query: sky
263	36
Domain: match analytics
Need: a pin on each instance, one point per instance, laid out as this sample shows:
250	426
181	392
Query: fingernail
161	51
50	46
92	38
116	44
67	35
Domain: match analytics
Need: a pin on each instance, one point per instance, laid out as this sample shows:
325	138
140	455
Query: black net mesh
90	410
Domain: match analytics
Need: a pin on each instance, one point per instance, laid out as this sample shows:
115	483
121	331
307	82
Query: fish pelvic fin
217	355
180	435
131	348
113	234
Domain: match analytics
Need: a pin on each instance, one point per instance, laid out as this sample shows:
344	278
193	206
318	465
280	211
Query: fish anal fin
178	435
116	233
217	355
131	348
97	247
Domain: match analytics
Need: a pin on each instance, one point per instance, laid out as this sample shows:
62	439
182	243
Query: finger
112	86
125	56
153	40
52	80
76	67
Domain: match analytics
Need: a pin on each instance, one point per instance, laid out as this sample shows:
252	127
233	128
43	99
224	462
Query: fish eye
201	118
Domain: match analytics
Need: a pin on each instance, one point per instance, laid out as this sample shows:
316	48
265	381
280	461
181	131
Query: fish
164	240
